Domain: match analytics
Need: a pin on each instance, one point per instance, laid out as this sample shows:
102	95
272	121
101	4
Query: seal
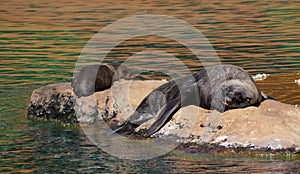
96	78
220	87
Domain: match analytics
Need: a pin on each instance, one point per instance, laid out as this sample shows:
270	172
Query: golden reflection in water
282	87
257	35
41	41
204	164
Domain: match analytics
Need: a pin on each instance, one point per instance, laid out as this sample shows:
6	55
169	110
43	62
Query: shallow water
41	41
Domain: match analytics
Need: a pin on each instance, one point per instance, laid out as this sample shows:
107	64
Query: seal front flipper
189	96
164	116
126	128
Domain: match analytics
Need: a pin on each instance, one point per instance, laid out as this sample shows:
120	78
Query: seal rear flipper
164	116
126	128
266	97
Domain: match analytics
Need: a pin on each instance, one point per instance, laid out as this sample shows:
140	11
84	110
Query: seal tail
164	116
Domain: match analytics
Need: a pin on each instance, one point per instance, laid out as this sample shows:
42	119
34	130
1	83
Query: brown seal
96	78
219	87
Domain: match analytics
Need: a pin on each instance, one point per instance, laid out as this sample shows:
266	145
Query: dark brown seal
219	87
96	78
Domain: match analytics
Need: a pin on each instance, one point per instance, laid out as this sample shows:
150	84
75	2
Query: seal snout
227	101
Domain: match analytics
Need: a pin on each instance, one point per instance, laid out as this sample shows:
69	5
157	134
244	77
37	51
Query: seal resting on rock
219	87
95	78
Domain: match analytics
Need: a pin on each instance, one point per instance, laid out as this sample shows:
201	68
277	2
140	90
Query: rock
53	102
86	109
273	124
58	102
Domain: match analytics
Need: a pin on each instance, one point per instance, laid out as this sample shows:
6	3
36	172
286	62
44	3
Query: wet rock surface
53	102
272	125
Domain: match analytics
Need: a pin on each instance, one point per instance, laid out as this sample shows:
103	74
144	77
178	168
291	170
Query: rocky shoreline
272	125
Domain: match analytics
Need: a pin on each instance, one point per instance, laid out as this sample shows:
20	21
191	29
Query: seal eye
248	100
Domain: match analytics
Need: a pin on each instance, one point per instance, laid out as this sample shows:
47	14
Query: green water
41	41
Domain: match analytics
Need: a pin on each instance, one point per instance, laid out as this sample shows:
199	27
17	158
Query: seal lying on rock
219	87
95	78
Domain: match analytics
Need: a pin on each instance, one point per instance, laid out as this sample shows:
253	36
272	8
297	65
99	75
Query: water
40	44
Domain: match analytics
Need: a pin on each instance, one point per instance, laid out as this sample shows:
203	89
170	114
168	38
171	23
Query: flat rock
273	124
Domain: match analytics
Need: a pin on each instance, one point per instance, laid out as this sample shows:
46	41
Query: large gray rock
272	124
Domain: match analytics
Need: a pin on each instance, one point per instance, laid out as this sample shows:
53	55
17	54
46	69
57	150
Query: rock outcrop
53	102
273	124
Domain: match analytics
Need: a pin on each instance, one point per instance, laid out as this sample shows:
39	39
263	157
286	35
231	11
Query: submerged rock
271	125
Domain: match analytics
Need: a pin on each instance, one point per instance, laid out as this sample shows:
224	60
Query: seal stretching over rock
95	78
219	87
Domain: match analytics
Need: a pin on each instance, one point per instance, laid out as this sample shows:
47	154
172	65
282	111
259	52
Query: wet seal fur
220	87
96	78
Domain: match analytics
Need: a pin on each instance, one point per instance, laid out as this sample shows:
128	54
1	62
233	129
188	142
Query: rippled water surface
41	41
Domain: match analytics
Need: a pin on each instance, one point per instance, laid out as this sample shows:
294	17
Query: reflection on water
43	147
196	164
41	41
